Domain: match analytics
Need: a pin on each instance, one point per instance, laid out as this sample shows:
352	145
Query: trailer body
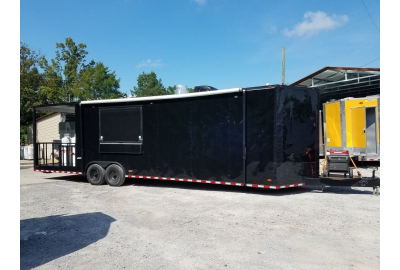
352	124
260	136
263	137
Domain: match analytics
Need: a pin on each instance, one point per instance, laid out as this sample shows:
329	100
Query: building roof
45	116
342	82
65	107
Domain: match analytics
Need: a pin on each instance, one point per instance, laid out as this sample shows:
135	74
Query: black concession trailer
263	137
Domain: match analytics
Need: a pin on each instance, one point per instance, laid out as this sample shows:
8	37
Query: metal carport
343	82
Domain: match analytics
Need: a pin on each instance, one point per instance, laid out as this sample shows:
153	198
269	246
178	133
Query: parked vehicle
352	124
203	88
264	137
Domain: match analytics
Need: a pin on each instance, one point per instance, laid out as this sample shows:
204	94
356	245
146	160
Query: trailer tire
114	175
351	172
95	174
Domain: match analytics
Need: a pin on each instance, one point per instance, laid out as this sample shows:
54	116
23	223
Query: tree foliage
30	81
69	78
171	90
148	85
52	90
96	82
65	78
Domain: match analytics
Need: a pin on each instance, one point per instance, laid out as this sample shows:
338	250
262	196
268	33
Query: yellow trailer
352	124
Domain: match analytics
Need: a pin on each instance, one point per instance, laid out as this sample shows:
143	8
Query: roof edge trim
163	97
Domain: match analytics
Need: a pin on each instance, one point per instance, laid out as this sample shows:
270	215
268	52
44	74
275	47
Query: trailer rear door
358	124
371	134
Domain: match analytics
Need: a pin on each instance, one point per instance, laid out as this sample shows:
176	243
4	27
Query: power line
370	62
370	16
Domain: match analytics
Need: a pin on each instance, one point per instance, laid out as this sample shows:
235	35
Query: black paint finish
194	138
281	135
207	137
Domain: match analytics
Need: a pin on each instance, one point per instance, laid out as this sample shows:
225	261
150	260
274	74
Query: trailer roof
164	97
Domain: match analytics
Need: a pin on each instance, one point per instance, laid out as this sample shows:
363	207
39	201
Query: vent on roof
181	89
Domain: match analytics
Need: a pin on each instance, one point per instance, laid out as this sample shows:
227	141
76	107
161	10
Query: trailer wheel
351	172
95	174
114	175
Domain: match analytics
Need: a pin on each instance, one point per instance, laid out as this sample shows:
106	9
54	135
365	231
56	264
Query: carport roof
342	82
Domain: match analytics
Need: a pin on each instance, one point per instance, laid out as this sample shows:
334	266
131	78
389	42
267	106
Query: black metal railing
56	154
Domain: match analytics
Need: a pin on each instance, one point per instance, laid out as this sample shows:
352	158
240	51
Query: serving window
121	129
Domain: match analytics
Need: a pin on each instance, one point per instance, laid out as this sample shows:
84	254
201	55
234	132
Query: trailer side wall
195	138
281	135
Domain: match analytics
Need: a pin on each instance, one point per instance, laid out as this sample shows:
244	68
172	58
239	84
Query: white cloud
150	63
315	22
201	2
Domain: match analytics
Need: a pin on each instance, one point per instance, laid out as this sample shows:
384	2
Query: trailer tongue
373	182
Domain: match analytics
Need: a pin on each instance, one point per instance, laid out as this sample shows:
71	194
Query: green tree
52	90
63	79
62	73
148	85
171	90
73	58
68	78
30	81
97	82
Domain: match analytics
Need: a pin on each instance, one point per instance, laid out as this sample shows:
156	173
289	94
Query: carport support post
244	138
283	65
35	150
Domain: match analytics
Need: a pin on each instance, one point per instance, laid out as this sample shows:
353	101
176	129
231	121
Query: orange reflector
130	171
269	180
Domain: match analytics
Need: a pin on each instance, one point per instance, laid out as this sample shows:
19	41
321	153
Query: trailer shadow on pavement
70	178
223	188
24	167
48	238
210	187
339	190
248	190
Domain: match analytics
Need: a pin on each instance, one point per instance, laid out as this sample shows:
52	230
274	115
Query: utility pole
283	65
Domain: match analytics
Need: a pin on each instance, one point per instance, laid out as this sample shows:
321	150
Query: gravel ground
67	223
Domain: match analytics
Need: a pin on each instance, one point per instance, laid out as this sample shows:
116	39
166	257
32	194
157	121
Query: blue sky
220	43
